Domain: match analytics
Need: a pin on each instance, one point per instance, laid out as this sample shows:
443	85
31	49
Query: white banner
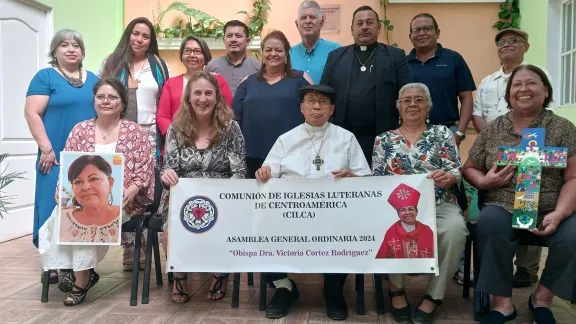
303	225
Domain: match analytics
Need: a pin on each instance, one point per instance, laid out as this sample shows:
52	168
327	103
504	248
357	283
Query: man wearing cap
446	74
489	104
315	149
407	238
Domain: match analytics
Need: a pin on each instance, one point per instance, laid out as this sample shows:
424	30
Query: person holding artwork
528	94
90	178
92	217
417	147
202	142
314	149
407	238
194	54
58	97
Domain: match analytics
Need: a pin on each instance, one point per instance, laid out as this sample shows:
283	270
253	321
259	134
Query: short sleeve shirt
446	74
559	133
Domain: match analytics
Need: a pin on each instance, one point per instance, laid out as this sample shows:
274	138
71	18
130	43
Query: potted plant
6	179
199	23
157	20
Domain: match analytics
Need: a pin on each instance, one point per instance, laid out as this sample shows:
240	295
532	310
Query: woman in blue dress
58	98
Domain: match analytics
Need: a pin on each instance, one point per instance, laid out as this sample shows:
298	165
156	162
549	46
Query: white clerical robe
293	153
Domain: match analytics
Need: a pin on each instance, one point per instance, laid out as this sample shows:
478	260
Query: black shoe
280	304
401	315
421	317
336	308
495	317
542	315
524	279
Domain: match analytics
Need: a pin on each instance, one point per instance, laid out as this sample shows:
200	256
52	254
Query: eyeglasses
509	40
426	29
196	51
321	102
418	100
110	98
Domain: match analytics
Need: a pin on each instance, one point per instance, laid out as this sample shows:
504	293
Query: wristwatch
461	135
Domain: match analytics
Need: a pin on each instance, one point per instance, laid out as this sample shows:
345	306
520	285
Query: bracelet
47	152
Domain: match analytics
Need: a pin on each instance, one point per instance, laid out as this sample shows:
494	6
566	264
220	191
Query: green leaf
266	7
504	14
387	22
503	6
390	28
498	25
242	12
516	23
515	16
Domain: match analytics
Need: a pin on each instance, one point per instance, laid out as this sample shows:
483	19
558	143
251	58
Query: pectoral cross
530	157
318	162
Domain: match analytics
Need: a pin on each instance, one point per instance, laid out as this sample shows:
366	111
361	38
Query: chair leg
45	286
236	291
250	279
380	308
262	301
147	266
467	261
157	262
136	266
170	277
360	301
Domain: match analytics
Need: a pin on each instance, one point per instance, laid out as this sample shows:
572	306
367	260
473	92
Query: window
568	54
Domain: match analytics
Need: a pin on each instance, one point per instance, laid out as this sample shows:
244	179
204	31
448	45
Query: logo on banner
198	214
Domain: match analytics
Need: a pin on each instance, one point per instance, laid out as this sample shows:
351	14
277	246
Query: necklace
137	78
363	67
75	82
104	136
419	130
317	161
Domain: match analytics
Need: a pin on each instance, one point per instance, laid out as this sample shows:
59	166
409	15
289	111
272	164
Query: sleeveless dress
66	107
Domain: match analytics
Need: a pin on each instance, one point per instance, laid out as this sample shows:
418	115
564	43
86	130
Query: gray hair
310	4
60	37
415	85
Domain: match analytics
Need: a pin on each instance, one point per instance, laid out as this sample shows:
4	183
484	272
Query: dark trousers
253	164
497	243
334	283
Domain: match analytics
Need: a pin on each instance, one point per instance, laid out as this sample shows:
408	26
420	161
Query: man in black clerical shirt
367	76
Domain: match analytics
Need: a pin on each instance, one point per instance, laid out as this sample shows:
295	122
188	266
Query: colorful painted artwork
529	158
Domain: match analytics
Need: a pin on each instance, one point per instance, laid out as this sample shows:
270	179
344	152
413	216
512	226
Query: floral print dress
435	150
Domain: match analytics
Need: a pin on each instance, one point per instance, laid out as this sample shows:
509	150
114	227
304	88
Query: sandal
180	290
216	288
78	295
53	277
128	257
67	282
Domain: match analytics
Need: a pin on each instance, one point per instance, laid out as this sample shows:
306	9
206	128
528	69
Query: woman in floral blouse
202	142
416	148
107	133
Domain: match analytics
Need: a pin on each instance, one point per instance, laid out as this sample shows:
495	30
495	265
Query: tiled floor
108	301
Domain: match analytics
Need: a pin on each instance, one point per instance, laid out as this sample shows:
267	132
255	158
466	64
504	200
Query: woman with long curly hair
203	141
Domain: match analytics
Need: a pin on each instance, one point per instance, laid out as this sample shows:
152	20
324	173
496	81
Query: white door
25	32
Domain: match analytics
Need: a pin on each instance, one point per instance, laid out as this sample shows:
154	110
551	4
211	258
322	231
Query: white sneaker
459	276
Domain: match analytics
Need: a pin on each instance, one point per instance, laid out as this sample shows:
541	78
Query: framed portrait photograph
90	198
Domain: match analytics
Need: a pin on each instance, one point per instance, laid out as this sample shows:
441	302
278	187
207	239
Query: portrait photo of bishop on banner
90	198
406	238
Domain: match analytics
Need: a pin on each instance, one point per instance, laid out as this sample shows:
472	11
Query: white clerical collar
316	129
408	228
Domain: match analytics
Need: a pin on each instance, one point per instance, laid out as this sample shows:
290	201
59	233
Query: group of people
314	110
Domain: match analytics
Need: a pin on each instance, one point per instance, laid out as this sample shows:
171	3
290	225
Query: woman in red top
194	54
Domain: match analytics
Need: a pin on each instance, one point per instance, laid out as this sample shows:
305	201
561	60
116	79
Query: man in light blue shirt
310	55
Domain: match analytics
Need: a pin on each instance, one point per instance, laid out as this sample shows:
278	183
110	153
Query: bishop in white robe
315	149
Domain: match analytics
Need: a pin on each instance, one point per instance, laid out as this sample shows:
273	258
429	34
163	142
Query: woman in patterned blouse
202	142
107	133
415	148
528	94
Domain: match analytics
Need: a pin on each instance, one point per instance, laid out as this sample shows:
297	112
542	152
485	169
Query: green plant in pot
257	21
6	178
199	23
175	31
157	20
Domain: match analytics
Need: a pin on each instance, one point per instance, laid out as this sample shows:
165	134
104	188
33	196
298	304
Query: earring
110	199
428	119
76	205
400	120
